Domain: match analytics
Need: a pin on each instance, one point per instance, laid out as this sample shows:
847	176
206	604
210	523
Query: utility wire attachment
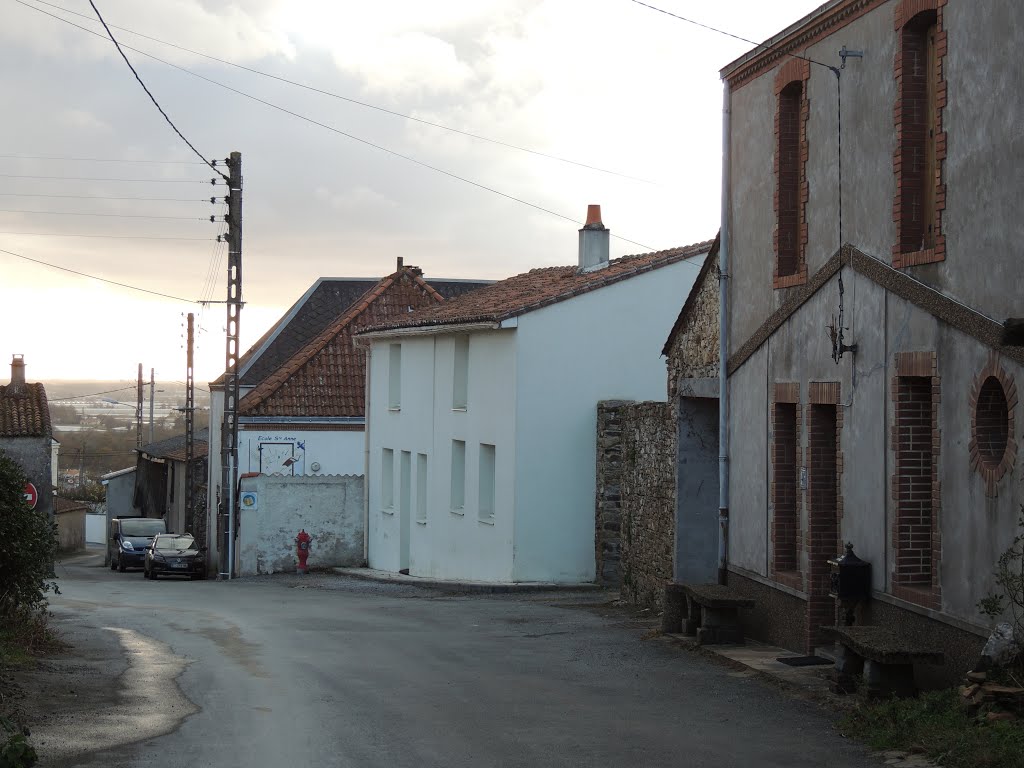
151	96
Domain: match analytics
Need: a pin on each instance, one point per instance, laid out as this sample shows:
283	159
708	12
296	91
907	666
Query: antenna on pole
190	408
138	412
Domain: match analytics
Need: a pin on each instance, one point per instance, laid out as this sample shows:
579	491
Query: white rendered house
481	413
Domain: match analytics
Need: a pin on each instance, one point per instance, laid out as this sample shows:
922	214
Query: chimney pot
594	241
401	263
17	374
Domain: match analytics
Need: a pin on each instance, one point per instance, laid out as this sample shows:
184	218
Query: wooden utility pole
138	412
229	426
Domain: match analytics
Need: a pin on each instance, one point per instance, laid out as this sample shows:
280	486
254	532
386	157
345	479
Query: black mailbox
850	577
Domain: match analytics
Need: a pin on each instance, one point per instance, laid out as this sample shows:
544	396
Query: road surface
329	671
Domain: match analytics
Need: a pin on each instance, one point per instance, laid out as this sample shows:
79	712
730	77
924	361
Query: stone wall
609	491
693	348
636	498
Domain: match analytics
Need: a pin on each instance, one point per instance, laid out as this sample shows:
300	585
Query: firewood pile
990	700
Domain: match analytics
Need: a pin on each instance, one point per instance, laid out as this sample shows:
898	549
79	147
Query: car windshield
175	543
142	527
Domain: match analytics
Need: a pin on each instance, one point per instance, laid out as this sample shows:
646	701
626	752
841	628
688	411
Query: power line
151	96
98	159
111	215
90	394
105	197
340	132
103	237
708	27
357	102
94	277
101	178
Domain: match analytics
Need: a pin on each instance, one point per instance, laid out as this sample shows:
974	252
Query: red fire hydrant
302	541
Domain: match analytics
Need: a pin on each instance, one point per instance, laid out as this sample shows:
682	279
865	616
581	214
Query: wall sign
249	501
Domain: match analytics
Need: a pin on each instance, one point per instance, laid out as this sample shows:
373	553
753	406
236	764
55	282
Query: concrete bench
708	611
884	660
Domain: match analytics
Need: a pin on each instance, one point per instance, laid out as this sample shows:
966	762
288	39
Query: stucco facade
534	381
935	326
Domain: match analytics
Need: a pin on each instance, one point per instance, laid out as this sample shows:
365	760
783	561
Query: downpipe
723	348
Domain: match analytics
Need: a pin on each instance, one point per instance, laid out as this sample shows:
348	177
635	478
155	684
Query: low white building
481	413
302	384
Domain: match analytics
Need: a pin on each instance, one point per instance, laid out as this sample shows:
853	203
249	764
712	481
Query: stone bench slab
884	646
716	596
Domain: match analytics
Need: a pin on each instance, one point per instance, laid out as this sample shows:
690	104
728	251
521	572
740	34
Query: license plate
179	565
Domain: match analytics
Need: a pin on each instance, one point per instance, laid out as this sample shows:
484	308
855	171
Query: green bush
28	545
15	751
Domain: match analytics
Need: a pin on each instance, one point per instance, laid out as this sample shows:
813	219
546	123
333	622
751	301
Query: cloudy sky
604	83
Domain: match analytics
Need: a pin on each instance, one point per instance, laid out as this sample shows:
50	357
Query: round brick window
992	422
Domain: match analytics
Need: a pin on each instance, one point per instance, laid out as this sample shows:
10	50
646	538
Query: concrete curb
462	587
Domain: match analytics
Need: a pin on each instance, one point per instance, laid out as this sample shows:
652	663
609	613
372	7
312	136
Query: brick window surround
920	141
787	536
992	447
790	166
916	491
824	458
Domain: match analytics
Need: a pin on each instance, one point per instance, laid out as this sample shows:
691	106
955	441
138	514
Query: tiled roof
61	505
326	377
24	412
691	297
174	447
536	289
325	301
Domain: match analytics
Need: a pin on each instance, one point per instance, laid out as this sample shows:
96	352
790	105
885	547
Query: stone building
871	397
25	433
657	467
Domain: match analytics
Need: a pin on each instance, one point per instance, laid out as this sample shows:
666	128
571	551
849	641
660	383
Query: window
394	376
460	388
405	487
421	487
920	142
914	480
789	179
486	507
458	476
791	188
786	520
993	447
387	479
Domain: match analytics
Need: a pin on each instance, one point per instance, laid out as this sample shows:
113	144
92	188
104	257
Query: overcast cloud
608	83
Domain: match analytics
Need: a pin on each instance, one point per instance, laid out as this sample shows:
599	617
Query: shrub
28	545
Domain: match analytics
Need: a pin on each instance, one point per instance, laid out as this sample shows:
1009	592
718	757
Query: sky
617	104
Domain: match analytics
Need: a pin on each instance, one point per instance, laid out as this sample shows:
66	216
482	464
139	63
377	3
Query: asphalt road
328	671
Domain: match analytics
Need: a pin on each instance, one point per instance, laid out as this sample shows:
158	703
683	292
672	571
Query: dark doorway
696	545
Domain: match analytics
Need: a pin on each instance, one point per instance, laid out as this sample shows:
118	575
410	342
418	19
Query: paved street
328	671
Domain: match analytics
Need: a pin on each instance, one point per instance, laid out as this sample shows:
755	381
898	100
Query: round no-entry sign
31	495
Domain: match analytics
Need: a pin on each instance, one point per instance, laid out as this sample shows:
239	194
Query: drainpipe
366	457
723	349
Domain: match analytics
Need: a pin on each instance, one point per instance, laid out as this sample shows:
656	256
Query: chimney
17	375
593	241
401	263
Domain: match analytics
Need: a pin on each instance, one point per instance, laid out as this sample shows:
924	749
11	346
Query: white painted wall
598	346
337	452
330	509
533	392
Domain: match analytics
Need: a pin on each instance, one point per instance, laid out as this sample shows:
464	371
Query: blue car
129	537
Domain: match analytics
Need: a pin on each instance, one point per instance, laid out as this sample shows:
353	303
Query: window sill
388	511
394	408
459	511
459	409
925	597
421	522
486	520
792	579
931	255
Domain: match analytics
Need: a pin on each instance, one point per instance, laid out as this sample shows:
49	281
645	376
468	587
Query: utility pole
229	426
152	394
138	412
190	409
